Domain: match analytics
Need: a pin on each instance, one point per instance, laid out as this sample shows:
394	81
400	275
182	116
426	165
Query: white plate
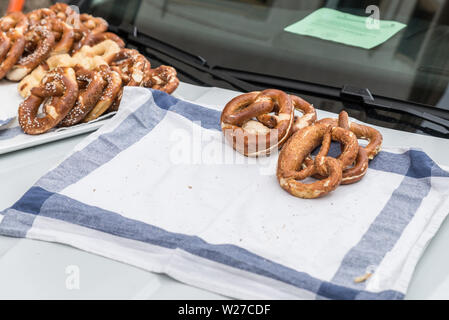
11	136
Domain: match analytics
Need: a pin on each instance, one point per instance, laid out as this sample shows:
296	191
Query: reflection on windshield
248	35
444	101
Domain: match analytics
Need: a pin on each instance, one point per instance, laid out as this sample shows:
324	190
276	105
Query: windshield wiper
349	94
197	68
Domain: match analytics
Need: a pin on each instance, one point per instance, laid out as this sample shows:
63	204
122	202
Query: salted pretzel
63	11
110	93
62	60
163	78
94	24
292	166
40	16
258	138
13	28
91	85
86	58
29	62
133	67
64	36
58	92
292	158
106	50
88	25
14	20
373	136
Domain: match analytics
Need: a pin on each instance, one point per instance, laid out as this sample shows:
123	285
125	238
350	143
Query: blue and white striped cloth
158	188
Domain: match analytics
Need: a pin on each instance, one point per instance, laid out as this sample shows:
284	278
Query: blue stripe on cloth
63	208
10	133
382	234
413	163
209	118
16	223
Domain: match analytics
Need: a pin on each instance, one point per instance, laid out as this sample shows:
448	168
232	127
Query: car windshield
250	36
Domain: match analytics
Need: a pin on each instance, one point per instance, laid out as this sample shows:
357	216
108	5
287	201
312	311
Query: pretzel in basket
43	48
110	93
163	78
58	91
13	28
275	114
292	163
91	85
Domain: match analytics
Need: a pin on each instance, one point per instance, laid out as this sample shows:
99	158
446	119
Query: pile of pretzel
258	123
69	66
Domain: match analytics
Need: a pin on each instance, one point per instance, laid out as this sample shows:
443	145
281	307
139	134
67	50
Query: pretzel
56	19
163	78
132	66
5	45
58	91
256	138
65	36
112	90
13	41
27	63
63	11
94	24
88	25
40	16
106	50
14	20
362	132
91	85
293	156
354	172
90	62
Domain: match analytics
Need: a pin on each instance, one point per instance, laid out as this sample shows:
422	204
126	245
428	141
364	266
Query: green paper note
349	29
